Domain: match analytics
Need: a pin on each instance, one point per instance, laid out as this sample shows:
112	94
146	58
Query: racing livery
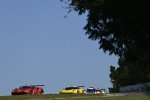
27	90
72	90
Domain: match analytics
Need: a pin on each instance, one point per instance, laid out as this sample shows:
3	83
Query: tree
116	24
121	28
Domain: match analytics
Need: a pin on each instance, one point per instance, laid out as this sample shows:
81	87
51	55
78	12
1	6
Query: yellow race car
72	90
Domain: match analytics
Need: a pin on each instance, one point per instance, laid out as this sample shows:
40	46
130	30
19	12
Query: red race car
27	90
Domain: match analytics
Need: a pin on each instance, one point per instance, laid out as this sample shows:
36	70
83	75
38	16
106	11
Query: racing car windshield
70	88
24	87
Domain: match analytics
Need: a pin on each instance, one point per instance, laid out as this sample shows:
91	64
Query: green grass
72	97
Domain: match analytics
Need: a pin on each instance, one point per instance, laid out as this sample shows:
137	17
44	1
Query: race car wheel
78	91
31	92
42	91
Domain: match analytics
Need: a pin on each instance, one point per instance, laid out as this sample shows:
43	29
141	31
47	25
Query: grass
72	97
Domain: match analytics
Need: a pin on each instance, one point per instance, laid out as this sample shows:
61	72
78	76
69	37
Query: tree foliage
116	24
121	28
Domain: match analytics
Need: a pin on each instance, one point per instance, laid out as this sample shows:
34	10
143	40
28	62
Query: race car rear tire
42	92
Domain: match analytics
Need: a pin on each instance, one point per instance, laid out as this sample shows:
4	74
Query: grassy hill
73	97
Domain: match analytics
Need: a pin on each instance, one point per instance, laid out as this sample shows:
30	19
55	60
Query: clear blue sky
39	46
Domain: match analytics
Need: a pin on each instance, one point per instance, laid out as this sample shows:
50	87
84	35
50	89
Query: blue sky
39	46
